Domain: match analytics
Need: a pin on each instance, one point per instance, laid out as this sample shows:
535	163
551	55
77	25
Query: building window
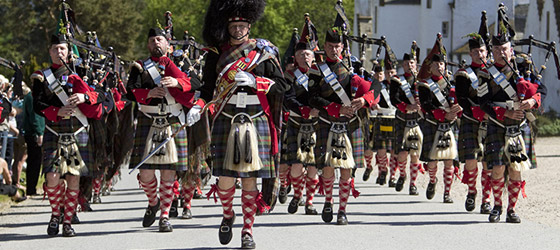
429	4
445	29
548	25
375	21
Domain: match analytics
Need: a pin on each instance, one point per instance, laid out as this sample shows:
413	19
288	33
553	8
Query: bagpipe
17	77
525	58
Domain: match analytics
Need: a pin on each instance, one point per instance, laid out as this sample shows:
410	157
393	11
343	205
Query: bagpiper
244	82
66	102
166	101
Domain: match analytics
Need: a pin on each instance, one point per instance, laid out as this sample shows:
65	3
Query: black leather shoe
470	202
237	184
485	208
495	214
54	223
164	225
431	190
85	207
150	215
412	190
382	178
173	210
327	214
310	210
96	199
75	219
68	231
225	234
341	218
301	203
447	198
392	183
283	195
400	184
292	208
186	214
247	242
512	217
367	173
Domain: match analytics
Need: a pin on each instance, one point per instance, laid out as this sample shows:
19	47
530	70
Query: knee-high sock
97	185
432	172
310	187
55	195
497	190
381	161
328	186
166	197
369	159
284	177
448	179
226	197
485	181
392	167
249	207
150	188
514	187
414	168
402	168
297	183
188	192
343	194
70	203
469	178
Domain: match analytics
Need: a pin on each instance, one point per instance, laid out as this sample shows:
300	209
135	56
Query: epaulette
37	75
395	78
137	66
423	84
314	71
462	73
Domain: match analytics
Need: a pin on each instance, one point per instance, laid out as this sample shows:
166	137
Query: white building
543	22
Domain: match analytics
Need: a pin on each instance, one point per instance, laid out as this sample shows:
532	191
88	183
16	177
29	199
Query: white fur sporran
413	138
444	146
306	140
68	158
339	147
242	153
515	149
159	132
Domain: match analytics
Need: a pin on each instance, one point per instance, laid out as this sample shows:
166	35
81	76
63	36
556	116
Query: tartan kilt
429	130
354	133
142	129
467	143
494	146
220	134
282	141
50	144
400	125
291	143
98	139
384	140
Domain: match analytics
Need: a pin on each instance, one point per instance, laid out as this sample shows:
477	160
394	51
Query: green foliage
548	124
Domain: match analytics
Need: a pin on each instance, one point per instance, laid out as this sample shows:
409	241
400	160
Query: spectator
33	129
8	188
20	148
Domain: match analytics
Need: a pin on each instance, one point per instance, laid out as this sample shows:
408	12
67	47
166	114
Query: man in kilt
404	96
67	153
340	142
164	94
437	99
473	124
508	142
244	81
371	136
302	123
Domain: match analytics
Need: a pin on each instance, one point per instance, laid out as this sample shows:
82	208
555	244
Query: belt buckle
410	123
444	127
241	100
512	130
162	109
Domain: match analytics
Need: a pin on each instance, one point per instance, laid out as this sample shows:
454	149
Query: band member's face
239	30
437	68
333	50
157	45
58	51
379	76
502	51
478	55
389	73
409	66
304	58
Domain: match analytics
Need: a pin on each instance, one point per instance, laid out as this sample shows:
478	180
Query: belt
252	116
437	123
59	134
330	122
248	99
173	109
470	118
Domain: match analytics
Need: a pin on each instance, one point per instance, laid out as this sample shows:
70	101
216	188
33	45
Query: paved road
379	219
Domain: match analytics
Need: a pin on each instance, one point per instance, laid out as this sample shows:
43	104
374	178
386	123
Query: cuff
51	113
500	112
439	114
370	98
120	105
305	110
477	113
200	102
141	95
263	84
333	109
286	116
92	95
537	98
402	107
185	84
